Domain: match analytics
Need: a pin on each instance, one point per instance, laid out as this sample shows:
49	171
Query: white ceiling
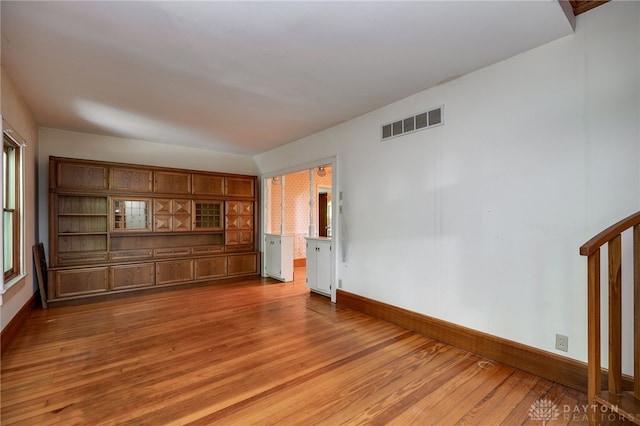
245	77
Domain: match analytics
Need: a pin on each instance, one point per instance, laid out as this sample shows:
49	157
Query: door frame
335	219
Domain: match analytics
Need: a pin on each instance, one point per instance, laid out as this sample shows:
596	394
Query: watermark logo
544	410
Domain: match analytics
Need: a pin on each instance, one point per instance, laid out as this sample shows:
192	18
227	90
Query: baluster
636	310
615	315
594	366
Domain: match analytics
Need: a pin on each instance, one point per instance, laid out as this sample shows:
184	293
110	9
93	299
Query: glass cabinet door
131	214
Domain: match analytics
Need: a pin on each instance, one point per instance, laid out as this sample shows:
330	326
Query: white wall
19	118
479	221
61	143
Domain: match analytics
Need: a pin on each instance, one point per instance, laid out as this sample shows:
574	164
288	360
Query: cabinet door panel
162	206
134	180
175	271
245	237
181	222
272	255
81	176
211	267
79	282
239	223
323	264
131	214
172	182
181	207
162	223
319	265
208	184
242	264
245	208
131	276
240	187
231	238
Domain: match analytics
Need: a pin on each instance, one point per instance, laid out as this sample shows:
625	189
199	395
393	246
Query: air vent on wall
424	120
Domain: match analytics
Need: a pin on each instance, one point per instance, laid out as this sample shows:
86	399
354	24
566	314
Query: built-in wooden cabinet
118	227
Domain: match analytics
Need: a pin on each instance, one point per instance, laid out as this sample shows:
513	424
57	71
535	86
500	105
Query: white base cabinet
278	257
319	265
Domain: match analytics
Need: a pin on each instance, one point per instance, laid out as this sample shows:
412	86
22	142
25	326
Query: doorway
297	204
324	211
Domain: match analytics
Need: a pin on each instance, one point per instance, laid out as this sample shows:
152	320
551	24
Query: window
11	219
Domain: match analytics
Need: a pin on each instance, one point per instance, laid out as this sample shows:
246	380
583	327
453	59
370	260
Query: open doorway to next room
300	204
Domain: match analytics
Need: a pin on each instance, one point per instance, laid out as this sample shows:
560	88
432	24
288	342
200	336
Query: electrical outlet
562	343
339	283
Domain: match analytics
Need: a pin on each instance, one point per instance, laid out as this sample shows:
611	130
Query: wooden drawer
171	252
211	267
85	257
131	254
131	276
78	282
174	271
238	248
207	250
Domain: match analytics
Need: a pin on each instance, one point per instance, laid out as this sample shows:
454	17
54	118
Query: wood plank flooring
253	352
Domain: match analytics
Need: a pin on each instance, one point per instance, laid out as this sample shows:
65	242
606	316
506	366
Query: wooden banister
615	397
603	237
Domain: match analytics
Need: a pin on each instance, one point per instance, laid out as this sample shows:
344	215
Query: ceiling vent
424	120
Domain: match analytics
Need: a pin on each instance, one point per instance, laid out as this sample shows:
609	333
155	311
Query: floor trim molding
545	364
12	329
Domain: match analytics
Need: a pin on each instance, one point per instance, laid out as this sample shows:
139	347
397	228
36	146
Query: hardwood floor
253	352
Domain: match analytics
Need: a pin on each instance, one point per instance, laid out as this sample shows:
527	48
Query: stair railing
616	398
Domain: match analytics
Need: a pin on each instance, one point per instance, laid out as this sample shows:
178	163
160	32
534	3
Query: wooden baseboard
300	262
545	364
12	329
